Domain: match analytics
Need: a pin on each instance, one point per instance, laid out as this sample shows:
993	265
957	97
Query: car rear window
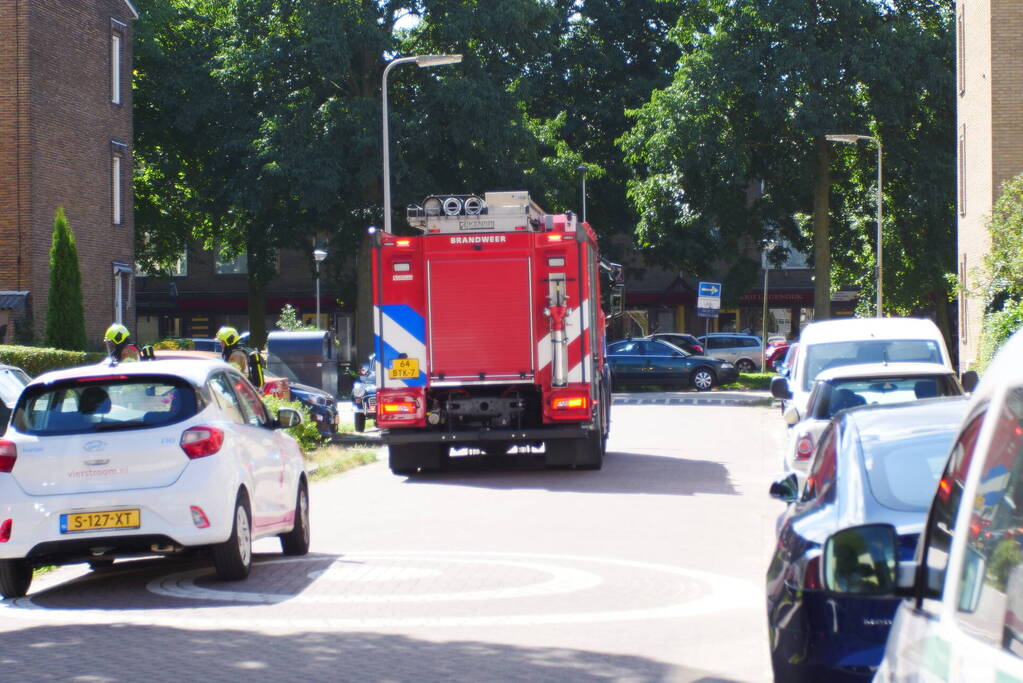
104	404
903	472
820	357
851	393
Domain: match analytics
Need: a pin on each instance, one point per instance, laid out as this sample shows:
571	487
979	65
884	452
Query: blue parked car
873	464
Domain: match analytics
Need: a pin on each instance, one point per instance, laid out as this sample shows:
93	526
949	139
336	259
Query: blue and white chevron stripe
404	332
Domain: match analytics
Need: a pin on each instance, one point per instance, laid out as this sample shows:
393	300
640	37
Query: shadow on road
122	652
623	473
105	589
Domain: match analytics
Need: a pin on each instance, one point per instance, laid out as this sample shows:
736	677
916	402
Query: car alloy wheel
703	379
745	365
233	558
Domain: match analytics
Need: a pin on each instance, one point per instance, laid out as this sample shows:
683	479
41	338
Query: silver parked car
742	350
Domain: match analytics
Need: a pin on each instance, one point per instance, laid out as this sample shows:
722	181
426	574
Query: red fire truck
490	333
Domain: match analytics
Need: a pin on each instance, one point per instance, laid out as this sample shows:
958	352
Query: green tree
734	150
65	316
1000	281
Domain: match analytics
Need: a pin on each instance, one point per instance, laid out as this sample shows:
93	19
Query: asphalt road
649	570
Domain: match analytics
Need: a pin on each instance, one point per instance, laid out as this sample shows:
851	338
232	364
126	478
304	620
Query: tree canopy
734	152
258	126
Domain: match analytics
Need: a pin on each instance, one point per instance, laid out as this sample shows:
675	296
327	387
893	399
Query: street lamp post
318	256
768	248
583	168
423	62
853	139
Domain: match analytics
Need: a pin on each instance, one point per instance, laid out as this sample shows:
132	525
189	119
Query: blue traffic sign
710	289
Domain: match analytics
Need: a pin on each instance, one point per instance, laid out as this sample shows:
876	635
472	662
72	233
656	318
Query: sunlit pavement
651	569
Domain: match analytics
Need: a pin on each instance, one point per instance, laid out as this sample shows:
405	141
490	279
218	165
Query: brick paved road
648	570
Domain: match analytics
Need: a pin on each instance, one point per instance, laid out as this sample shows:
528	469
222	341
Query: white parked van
852	341
962	619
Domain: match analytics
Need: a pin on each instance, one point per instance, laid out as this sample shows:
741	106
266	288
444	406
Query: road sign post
708	302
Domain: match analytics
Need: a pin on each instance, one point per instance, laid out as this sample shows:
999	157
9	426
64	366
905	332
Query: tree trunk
821	233
257	313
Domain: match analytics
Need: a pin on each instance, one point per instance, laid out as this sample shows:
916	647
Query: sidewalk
693	398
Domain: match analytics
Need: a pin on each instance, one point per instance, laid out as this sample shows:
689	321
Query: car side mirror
288	417
969	380
780	388
786	489
862	560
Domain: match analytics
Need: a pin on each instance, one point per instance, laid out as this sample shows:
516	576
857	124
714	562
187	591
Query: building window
117	214
232	265
962	170
180	267
961	50
115	66
964	302
123	277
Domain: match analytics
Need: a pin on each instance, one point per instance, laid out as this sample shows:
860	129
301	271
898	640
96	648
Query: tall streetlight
318	256
423	62
768	248
853	139
583	168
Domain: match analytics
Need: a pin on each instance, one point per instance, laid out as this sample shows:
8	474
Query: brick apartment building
66	140
989	74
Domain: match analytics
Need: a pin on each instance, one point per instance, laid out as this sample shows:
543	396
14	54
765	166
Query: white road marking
725	593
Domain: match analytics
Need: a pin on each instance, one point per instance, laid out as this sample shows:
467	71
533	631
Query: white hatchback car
153	457
849	386
962	617
854	341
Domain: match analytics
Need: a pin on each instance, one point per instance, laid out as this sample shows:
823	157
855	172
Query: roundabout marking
718	593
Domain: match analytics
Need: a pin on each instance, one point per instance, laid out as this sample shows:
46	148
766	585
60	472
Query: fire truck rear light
5	530
804	447
398	407
520	227
402	243
555	237
569	403
8	454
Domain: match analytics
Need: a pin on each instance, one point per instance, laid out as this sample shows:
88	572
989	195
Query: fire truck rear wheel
360	422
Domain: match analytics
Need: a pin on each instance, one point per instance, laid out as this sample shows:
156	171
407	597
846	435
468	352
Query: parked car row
900	552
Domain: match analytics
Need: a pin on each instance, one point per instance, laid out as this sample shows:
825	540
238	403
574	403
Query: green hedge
35	360
307	435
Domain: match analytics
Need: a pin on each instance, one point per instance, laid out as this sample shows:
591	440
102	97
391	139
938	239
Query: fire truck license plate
404	368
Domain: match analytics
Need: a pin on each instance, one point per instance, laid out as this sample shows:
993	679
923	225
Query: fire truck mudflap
489	334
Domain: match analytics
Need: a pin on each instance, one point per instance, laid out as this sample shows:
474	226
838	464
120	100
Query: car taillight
198	442
199	518
697	349
8	454
812	574
5	530
569	403
804	447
